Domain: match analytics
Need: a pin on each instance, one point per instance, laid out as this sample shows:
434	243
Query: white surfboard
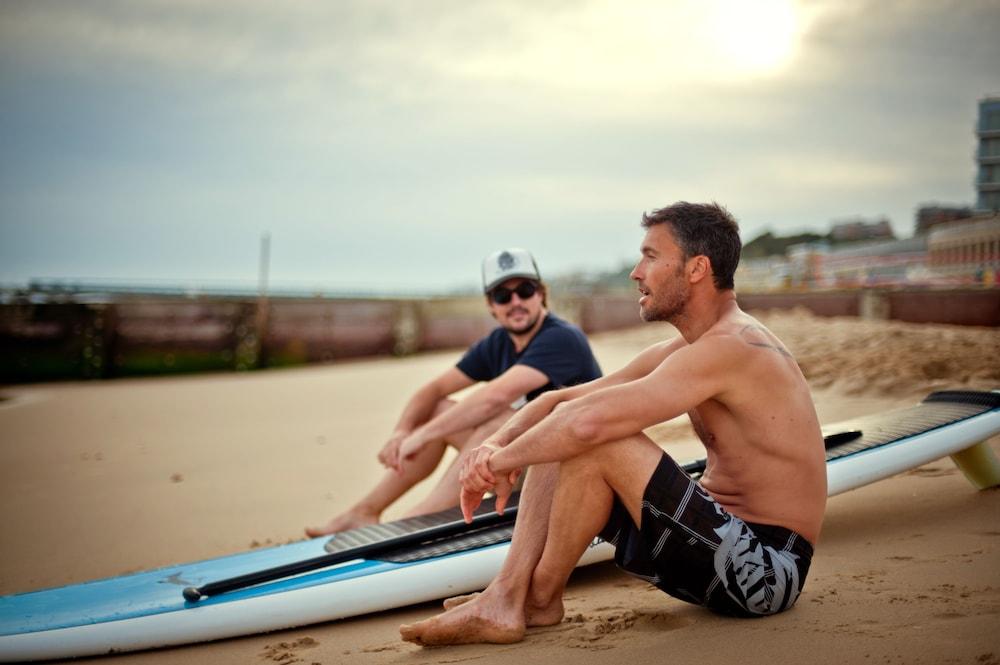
147	610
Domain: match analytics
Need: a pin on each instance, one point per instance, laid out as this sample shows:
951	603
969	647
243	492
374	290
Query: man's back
766	459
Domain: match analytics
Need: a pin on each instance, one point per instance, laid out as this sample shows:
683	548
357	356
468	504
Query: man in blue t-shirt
532	351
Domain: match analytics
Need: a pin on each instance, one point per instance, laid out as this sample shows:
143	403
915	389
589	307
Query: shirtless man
530	352
739	541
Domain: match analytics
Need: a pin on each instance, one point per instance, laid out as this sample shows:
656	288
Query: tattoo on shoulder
757	336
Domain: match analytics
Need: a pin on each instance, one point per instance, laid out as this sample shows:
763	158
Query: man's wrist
493	464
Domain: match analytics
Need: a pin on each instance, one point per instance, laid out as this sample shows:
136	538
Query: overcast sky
391	144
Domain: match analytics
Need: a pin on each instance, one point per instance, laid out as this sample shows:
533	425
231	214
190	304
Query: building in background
933	215
806	265
886	263
763	275
858	228
988	156
967	253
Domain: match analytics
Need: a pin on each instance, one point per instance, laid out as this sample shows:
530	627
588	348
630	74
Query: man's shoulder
740	342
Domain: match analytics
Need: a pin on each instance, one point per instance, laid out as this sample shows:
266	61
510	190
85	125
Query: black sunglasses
502	295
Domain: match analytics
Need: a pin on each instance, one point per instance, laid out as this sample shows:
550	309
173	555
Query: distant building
930	216
805	265
988	156
849	230
967	253
883	263
770	273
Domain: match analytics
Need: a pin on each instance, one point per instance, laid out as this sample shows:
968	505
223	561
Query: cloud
443	122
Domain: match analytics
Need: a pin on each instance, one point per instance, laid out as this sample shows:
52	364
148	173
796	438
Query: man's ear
699	267
489	307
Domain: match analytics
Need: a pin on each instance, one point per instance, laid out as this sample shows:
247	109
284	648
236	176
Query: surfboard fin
979	464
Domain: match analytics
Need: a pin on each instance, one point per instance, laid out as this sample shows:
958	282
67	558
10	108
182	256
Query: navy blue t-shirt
559	350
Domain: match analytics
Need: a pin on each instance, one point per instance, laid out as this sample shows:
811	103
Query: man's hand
389	455
410	446
478	478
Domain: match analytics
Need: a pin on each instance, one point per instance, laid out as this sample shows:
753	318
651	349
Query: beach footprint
288	652
604	627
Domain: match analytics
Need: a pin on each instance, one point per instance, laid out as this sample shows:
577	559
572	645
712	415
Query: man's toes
410	633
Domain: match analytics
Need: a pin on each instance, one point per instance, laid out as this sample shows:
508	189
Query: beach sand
100	479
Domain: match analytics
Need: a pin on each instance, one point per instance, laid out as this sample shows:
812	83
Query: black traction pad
474	537
937	410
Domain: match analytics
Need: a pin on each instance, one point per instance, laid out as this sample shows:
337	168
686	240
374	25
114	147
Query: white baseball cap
506	264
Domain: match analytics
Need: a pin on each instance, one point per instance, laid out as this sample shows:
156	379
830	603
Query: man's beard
520	330
673	303
666	311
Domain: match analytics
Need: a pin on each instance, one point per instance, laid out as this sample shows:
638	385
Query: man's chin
521	328
652	315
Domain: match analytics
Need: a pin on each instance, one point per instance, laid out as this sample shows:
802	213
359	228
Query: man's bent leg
445	494
548	541
582	504
392	485
498	614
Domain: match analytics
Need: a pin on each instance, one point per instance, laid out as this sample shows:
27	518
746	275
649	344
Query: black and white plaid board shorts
693	549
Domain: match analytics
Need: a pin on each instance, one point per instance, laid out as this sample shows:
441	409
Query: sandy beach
100	479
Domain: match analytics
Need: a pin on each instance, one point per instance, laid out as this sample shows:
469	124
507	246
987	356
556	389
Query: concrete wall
964	307
837	303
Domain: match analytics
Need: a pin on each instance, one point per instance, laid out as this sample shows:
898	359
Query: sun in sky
635	46
755	38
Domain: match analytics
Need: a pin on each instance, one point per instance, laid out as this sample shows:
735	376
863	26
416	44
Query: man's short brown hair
703	229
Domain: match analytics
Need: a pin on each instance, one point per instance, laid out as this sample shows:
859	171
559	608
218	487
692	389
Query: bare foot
475	621
534	615
547	615
352	519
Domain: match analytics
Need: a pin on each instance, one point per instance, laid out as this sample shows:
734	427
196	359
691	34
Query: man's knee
625	465
587	463
615	453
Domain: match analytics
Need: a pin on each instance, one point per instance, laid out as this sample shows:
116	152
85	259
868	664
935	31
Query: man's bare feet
547	615
352	519
474	621
534	615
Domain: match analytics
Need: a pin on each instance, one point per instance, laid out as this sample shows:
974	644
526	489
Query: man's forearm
553	439
465	414
528	416
541	408
419	409
572	427
559	435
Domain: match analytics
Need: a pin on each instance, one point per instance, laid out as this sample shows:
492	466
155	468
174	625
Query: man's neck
702	311
521	340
